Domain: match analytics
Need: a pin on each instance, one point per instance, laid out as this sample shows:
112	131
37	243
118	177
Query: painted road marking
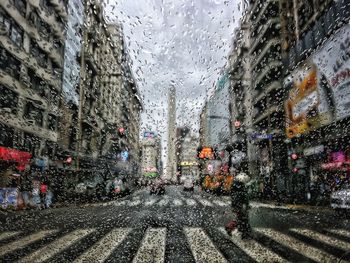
340	232
163	202
56	246
6	235
152	248
101	250
191	202
21	243
202	247
220	203
298	246
205	202
151	202
177	202
255	250
135	203
323	238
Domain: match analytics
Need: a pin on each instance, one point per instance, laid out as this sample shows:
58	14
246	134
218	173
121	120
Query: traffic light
294	157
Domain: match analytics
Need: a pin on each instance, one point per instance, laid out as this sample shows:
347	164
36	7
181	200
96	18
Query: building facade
171	160
32	59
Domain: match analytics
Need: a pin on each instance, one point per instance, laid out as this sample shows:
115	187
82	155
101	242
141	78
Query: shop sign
8	197
22	158
256	136
313	150
188	163
333	61
306	107
149	134
124	156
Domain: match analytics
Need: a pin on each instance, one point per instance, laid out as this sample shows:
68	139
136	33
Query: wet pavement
178	226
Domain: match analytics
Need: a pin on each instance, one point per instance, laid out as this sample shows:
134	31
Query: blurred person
240	206
27	189
44	184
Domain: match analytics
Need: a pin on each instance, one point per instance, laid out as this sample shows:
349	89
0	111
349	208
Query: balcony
270	52
268	31
335	17
275	85
271	72
269	8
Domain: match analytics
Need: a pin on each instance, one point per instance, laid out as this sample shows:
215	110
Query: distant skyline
184	43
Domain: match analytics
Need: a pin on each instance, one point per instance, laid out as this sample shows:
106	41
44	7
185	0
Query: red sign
22	158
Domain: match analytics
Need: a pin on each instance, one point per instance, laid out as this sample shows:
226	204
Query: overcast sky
179	42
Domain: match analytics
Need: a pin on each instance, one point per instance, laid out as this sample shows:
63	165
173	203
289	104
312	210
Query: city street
175	227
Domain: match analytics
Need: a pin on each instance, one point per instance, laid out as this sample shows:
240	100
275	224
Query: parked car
157	186
340	200
188	183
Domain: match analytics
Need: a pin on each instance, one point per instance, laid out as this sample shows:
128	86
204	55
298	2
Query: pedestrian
44	184
240	206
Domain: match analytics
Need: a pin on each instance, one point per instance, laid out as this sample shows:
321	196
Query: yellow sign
188	163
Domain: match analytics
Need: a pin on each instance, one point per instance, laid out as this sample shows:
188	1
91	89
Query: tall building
218	114
241	96
31	65
150	155
317	96
171	160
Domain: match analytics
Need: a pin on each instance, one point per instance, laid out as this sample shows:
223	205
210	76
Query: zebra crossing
153	248
167	201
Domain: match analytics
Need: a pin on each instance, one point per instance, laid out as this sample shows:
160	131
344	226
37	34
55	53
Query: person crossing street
240	206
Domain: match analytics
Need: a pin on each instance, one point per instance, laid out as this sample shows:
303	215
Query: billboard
333	62
149	134
307	106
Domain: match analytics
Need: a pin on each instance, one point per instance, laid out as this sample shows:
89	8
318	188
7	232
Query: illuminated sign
149	134
206	152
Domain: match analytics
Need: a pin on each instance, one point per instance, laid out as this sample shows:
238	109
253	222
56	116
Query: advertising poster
333	62
306	107
8	197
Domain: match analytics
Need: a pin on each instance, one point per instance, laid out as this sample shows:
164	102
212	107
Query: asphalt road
175	227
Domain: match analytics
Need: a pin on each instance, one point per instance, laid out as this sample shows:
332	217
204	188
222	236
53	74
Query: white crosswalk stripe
202	247
135	203
163	202
56	246
253	249
151	202
6	235
204	202
323	238
298	246
152	248
104	247
177	202
25	241
340	232
191	202
221	203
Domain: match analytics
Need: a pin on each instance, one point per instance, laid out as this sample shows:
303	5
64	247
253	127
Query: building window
38	53
52	122
8	99
6	136
9	63
11	29
34	114
37	83
31	144
20	5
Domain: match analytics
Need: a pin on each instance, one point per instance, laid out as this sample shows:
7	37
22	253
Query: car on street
157	186
89	186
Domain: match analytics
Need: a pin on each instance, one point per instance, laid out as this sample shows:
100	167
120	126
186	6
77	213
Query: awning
22	158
